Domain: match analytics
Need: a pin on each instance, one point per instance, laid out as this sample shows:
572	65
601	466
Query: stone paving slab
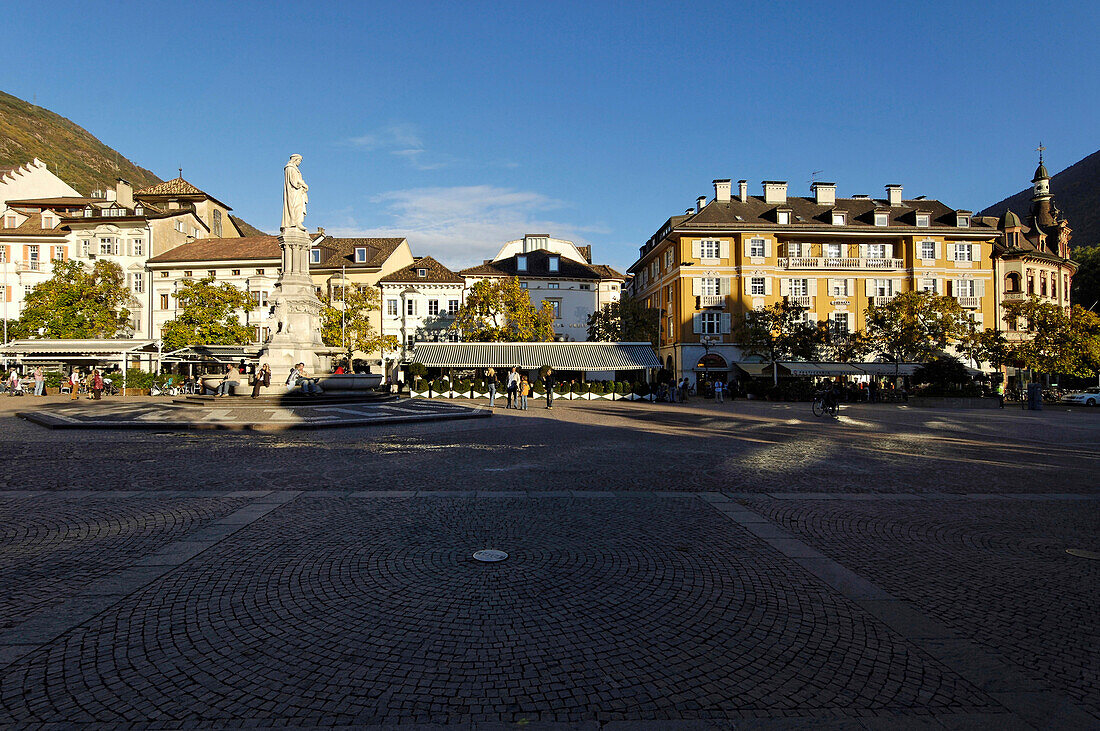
162	416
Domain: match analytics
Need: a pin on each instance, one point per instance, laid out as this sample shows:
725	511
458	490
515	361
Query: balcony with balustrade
969	303
881	299
820	262
711	300
1015	297
802	300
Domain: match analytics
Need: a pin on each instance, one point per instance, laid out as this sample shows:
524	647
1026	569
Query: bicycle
821	407
165	389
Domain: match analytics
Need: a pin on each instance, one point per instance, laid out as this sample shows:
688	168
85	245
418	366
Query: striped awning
559	356
821	369
888	369
76	348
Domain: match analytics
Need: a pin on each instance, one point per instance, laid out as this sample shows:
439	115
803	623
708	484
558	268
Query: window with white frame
410	307
108	245
521	263
882	219
924	220
964	252
85	247
433	307
671	327
410	341
794	248
553	285
138	247
452	307
758	286
783	217
422	273
556	306
523	285
709	286
838	288
179	226
709	249
928	285
800	287
27	290
138	283
965	288
3	254
668	294
840	218
668	258
876	251
314	256
963	221
884	287
553	263
928	250
259	298
833	251
391	307
32	256
840	323
360	254
710	323
757	247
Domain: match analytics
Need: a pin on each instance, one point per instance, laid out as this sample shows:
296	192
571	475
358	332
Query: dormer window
422	272
139	210
782	217
521	263
924	220
10	222
963	220
882	218
88	211
314	256
840	218
552	263
360	255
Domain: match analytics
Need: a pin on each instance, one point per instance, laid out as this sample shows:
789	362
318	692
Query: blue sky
463	125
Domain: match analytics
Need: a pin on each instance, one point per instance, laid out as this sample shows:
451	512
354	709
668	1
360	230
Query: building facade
419	304
555	271
705	269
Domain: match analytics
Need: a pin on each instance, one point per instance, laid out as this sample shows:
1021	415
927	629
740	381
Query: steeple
1041	203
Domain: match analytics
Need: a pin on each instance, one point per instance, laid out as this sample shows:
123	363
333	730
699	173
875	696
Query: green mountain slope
1076	192
71	152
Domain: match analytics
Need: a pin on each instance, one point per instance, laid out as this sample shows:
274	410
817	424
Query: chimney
124	192
775	191
722	190
700	202
111	195
743	190
893	195
824	193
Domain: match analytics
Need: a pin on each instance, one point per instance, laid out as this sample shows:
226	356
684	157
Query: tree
838	346
1059	342
208	316
987	345
627	320
78	302
1085	289
345	323
499	310
779	332
914	326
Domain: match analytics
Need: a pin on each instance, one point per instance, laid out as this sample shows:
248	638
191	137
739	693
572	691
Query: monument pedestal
297	332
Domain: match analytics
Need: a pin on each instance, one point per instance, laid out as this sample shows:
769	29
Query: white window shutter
869	287
831	284
939	250
696	286
748	284
745	247
696	249
813	287
784	287
951	252
896	286
724	249
768	251
941	286
863	251
767	285
724	323
697	323
852	287
724	285
980	288
889	251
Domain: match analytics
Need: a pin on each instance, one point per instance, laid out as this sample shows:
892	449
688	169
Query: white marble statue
295	196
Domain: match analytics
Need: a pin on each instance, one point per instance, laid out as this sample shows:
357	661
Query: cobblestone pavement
670	568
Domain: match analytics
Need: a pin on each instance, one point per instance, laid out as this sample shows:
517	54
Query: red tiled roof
336	253
248	247
436	273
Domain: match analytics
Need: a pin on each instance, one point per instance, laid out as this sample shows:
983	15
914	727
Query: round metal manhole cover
1081	553
490	555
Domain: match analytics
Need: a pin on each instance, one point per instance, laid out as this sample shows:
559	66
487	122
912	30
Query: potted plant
420	388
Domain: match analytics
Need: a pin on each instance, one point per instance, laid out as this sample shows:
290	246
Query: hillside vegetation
71	152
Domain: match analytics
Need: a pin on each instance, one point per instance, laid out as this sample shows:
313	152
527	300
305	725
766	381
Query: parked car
1088	397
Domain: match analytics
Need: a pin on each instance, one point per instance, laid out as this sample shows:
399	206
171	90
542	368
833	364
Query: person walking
524	389
13	381
74	384
1001	395
548	384
491	379
262	379
39	382
97	385
513	388
719	389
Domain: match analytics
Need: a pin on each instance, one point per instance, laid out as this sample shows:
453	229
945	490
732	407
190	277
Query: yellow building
834	256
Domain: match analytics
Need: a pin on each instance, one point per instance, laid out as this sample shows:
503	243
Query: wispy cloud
404	141
462	226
